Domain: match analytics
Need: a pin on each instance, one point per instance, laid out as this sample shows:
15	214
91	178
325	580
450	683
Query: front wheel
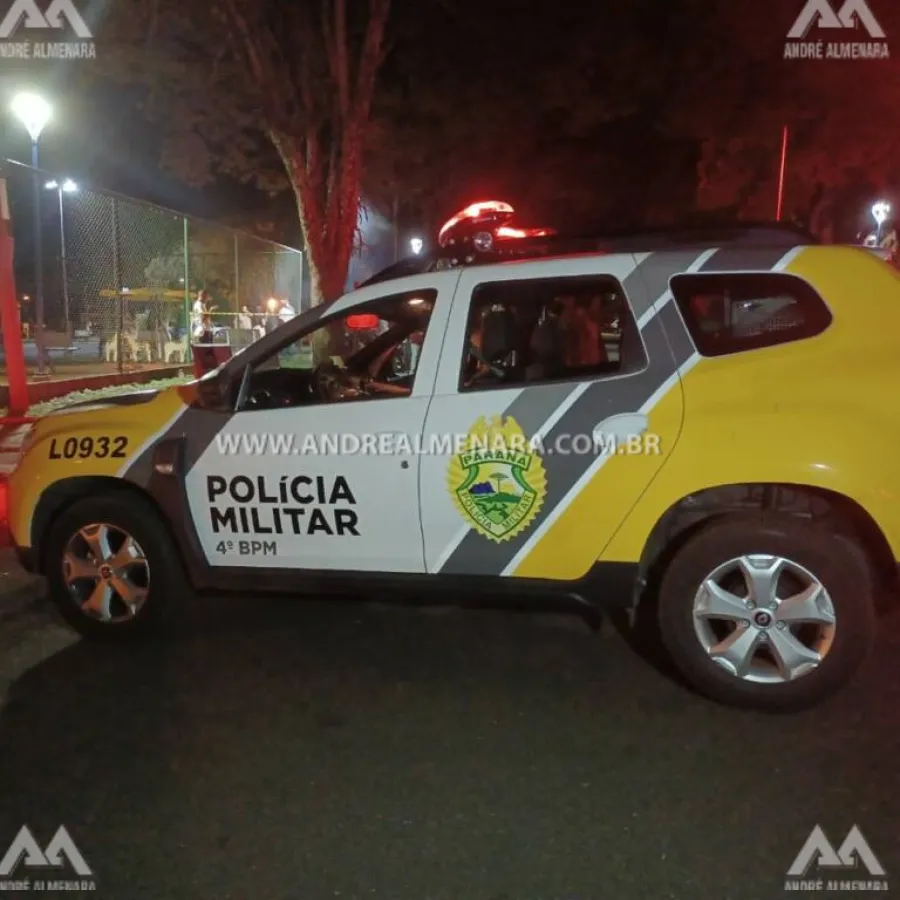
764	611
112	568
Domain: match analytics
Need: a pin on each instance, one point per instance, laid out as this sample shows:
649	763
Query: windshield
352	341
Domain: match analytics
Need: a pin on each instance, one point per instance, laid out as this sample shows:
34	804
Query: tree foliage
736	102
267	92
604	113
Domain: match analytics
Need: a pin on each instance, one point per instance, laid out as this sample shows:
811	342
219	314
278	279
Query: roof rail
757	234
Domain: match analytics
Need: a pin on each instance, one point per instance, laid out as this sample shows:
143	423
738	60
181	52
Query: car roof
557	245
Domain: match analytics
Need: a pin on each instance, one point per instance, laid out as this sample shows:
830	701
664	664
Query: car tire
839	566
167	586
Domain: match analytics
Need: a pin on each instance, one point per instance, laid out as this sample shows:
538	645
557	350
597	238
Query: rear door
599	432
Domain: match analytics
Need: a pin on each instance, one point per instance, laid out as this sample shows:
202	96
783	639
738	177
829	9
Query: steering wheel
260	399
327	380
269	398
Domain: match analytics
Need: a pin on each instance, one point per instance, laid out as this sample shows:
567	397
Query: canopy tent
146	293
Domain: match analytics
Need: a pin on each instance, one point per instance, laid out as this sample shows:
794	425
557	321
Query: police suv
670	423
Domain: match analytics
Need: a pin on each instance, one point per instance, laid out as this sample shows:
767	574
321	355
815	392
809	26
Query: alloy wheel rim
764	619
106	573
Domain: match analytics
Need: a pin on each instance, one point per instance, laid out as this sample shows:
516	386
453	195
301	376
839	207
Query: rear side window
730	313
537	331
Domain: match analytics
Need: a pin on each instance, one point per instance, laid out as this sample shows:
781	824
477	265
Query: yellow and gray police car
690	424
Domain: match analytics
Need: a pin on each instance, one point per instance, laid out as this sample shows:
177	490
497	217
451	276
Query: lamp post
66	187
416	244
880	212
34	113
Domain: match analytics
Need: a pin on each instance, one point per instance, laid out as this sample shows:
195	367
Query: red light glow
362	322
504	231
476	211
5	537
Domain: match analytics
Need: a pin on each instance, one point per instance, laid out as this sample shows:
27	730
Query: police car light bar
488	220
475	212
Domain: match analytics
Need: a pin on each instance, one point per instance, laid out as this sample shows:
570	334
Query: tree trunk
327	274
326	285
326	278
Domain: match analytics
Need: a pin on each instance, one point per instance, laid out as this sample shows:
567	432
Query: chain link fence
107	284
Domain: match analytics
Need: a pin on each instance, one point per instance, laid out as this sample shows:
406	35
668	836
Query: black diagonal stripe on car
745	259
534	406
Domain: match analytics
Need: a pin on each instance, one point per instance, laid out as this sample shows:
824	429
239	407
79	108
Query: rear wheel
763	611
112	568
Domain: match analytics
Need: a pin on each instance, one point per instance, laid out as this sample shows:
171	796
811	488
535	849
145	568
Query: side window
549	329
731	313
369	353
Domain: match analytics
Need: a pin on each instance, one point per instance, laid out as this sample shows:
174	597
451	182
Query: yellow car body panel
95	433
778	414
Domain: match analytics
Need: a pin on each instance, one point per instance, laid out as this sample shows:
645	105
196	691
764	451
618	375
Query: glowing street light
416	244
66	187
880	212
34	113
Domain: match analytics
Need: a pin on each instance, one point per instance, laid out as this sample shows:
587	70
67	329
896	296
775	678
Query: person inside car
475	367
548	344
584	342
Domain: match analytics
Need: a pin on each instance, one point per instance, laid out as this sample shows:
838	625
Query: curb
44	391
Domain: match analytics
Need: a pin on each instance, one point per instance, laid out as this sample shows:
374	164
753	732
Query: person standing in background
272	320
287	312
200	315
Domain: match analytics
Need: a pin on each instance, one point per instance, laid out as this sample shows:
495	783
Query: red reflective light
362	322
504	231
476	211
5	537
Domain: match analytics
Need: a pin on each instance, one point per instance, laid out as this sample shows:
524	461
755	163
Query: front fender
93	441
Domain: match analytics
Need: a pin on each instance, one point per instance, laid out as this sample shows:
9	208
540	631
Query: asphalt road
278	750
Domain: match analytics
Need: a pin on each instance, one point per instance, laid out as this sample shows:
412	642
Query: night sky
596	113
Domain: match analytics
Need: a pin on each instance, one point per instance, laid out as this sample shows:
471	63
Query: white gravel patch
42	409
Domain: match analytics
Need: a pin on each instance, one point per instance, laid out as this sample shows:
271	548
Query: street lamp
34	113
416	244
66	187
880	212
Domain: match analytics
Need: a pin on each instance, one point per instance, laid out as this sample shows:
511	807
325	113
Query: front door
576	369
322	474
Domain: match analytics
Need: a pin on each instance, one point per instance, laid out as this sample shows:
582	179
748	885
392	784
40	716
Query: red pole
784	147
9	315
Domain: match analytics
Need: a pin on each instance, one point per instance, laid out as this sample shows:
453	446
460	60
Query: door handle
622	427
